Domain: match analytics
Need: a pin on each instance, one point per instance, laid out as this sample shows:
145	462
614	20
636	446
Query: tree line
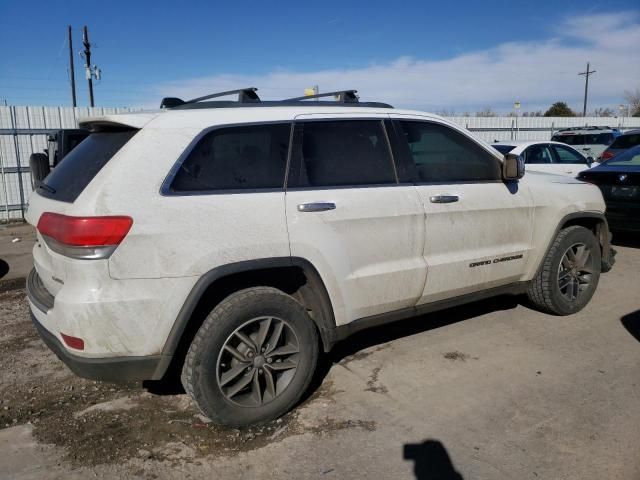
561	109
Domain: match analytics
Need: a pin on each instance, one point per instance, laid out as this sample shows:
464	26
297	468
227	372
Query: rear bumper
112	369
92	365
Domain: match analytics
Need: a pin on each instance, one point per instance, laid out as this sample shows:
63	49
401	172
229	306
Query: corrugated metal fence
23	131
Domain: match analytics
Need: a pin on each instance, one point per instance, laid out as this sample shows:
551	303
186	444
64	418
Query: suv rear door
349	216
478	228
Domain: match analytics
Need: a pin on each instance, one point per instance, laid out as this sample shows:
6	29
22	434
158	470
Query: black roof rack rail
245	95
588	127
342	96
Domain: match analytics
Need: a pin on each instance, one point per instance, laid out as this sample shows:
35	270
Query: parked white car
547	156
234	241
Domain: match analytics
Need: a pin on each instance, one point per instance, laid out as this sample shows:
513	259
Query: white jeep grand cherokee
234	241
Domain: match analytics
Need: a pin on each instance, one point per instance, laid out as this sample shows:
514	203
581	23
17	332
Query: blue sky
435	55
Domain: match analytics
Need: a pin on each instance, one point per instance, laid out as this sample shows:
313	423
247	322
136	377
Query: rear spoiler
117	122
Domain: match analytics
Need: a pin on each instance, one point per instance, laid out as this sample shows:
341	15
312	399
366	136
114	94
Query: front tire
569	274
252	358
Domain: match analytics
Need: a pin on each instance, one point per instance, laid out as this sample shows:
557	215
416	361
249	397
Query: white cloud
535	73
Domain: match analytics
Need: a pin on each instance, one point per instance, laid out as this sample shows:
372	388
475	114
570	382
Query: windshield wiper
47	188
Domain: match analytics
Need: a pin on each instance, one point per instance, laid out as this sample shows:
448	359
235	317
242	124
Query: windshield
625	159
72	175
627	141
581	139
504	149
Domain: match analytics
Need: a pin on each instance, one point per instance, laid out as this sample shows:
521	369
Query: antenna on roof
342	96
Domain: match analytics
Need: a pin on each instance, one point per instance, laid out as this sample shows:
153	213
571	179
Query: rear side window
441	154
588	139
626	141
341	153
236	158
566	155
72	175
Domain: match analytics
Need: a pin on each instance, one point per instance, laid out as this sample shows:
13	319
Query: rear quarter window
250	157
79	167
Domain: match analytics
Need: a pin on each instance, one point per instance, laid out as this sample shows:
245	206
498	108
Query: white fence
23	131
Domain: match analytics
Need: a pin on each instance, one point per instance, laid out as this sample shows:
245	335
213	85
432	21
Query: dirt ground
512	393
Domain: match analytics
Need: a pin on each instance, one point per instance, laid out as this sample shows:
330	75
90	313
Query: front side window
538	154
441	154
236	158
341	153
566	155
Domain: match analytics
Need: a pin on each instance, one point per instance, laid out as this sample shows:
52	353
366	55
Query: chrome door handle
316	206
444	198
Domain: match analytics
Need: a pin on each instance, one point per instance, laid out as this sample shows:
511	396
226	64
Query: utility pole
586	87
87	65
72	72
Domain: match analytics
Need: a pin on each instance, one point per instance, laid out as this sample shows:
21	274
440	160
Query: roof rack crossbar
343	96
245	95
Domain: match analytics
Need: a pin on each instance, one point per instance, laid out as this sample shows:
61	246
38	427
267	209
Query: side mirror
512	167
590	161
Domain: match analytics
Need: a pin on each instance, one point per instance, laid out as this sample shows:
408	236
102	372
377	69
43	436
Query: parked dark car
623	142
619	181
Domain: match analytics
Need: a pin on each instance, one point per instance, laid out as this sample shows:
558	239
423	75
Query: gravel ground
491	391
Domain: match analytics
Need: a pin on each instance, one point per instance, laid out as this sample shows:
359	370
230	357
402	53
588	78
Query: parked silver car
590	141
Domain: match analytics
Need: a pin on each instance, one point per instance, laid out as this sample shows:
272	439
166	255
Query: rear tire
39	168
252	359
569	274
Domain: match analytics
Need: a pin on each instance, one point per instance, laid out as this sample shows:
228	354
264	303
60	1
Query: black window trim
345	118
411	167
167	191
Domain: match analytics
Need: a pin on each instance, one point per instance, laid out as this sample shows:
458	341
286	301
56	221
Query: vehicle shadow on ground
406	328
4	268
423	323
626	239
171	385
631	322
431	461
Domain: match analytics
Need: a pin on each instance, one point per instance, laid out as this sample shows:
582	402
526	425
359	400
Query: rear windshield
72	175
590	139
626	141
630	158
504	149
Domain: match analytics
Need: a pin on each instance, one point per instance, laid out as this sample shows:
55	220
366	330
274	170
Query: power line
586	88
87	56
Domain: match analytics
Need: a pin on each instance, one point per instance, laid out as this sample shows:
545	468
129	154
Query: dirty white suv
235	241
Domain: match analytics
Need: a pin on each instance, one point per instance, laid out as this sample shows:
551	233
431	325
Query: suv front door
478	228
348	215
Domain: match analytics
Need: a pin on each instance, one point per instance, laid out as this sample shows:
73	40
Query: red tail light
73	342
606	155
83	237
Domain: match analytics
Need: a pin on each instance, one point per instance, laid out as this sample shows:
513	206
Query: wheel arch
293	275
596	222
